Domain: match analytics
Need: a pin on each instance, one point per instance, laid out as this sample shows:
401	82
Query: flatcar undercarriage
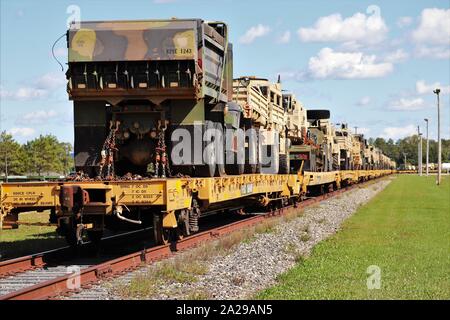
172	206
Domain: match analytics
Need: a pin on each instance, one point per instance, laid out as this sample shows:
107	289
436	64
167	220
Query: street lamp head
437	90
426	120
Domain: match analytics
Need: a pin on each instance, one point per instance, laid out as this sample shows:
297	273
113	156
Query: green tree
11	155
46	154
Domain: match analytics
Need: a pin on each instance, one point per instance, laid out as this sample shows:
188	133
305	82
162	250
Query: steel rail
40	260
58	286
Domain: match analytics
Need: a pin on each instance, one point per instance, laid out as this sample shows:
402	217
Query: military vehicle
134	82
344	139
316	151
358	151
298	133
265	114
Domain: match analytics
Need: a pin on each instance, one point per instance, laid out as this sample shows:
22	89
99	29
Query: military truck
344	139
264	112
317	153
358	151
133	83
297	131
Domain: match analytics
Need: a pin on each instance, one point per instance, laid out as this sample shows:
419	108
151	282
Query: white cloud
285	37
50	81
359	28
423	88
398	132
434	27
432	36
37	117
435	52
22	132
404	21
397	56
40	87
253	33
24	93
364	101
346	65
405	104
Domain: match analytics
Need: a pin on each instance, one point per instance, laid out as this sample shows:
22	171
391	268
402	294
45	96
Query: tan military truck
358	151
261	101
316	151
297	131
344	140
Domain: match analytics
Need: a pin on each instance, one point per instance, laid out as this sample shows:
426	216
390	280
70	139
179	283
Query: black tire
251	158
283	164
207	170
220	170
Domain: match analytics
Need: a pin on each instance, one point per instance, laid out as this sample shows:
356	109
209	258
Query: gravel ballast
254	264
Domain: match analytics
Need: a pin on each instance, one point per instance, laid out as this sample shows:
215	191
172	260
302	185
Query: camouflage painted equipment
151	54
149	76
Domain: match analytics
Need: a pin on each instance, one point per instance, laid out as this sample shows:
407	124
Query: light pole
428	146
438	181
419	153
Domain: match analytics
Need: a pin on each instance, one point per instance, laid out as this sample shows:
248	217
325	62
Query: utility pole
419	147
438	181
428	146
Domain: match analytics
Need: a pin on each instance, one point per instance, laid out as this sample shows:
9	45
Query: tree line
409	146
44	155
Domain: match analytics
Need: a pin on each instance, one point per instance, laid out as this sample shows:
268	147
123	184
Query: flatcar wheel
183	225
69	231
161	235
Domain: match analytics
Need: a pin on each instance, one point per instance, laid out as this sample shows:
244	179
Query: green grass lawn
404	230
34	236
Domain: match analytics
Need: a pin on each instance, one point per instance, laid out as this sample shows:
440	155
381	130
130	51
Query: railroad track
45	283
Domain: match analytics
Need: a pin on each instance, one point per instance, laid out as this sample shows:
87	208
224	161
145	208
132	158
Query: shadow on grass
33	244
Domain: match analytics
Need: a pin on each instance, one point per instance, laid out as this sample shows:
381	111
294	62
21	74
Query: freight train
164	135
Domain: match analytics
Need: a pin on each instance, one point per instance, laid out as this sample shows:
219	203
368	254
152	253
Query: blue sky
372	63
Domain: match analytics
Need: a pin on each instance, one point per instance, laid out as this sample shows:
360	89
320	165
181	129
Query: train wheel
68	229
183	224
161	235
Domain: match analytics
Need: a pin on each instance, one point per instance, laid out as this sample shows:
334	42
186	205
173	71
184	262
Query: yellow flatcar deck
169	194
